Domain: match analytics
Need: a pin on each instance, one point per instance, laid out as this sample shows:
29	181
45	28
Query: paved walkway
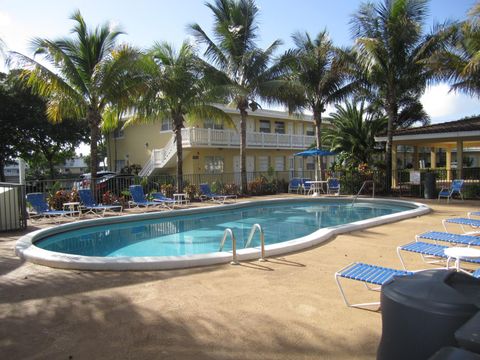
286	308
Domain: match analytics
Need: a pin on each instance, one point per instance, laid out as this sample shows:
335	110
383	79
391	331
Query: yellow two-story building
273	137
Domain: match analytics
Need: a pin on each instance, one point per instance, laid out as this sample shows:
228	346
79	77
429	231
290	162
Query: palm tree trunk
317	117
243	149
178	125
94	118
389	169
2	170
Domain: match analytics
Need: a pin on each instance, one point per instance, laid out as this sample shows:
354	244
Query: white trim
453	135
26	249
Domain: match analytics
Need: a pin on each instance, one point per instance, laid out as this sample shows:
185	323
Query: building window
265	126
213	164
263	163
119	165
166	125
310	131
280	163
310	163
118	133
279	127
211	124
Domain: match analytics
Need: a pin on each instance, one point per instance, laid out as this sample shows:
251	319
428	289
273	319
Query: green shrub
191	191
231	189
168	190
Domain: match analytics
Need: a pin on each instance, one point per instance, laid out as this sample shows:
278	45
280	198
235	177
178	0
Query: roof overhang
445	138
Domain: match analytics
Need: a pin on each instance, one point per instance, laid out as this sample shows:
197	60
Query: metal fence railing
443	178
351	181
13	210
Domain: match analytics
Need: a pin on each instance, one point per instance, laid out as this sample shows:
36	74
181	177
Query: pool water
202	233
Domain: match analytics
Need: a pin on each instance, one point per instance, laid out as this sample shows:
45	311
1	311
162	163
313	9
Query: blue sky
148	21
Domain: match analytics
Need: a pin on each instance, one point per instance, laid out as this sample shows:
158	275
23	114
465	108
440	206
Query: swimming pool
192	237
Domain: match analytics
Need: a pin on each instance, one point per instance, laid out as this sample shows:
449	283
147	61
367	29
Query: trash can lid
439	291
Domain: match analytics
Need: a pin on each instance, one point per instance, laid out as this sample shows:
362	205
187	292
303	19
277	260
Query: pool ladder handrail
256	227
227	232
361	188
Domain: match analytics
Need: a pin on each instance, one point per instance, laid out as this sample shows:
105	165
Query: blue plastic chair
455	188
138	197
333	186
38	203
207	194
86	198
163	200
295	184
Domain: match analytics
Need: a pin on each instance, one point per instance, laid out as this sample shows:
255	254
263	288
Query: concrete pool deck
286	308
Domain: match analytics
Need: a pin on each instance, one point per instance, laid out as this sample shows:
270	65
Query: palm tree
176	89
353	132
393	50
321	75
91	77
245	71
459	61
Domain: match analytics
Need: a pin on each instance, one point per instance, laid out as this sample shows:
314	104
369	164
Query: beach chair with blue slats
369	275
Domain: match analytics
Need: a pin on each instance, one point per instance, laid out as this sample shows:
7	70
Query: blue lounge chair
428	251
472	223
372	274
333	186
158	197
473	213
455	188
207	194
138	197
86	198
467	240
38	203
368	274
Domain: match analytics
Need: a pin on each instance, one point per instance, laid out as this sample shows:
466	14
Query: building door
250	168
291	166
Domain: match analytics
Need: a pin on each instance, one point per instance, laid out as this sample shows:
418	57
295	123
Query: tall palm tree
321	75
393	49
459	61
353	132
176	89
246	72
90	78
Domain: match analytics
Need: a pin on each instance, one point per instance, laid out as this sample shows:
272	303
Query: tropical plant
459	61
246	72
321	75
353	132
90	77
175	89
392	49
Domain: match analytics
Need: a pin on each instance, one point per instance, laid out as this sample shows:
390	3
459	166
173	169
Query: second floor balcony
199	137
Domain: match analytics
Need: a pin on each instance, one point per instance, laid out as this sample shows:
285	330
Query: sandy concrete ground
286	308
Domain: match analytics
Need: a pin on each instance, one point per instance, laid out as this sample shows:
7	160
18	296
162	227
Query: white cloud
443	105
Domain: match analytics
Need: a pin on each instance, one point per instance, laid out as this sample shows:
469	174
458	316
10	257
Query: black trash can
420	313
430	185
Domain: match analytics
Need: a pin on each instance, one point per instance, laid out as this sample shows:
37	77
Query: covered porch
452	148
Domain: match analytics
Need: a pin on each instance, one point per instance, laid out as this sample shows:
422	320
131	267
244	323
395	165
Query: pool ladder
254	229
361	188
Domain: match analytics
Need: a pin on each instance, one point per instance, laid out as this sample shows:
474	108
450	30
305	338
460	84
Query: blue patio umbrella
315	152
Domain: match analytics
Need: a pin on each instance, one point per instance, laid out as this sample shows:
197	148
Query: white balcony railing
192	137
